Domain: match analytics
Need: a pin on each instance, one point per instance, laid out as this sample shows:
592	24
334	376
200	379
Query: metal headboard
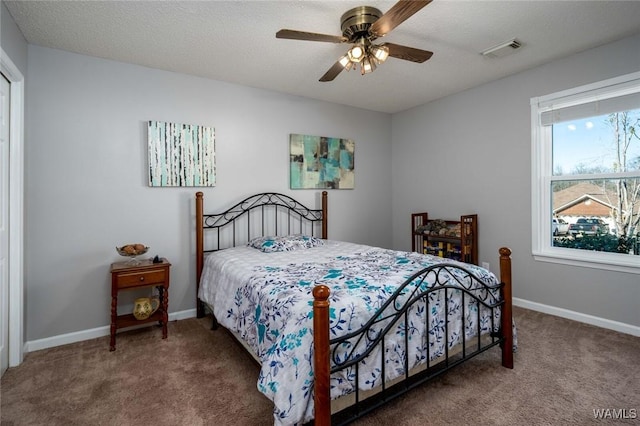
268	213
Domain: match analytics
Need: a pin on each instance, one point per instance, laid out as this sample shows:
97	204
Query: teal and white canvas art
321	162
181	154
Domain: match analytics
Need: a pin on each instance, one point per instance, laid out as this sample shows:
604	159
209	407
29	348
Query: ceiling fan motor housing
355	23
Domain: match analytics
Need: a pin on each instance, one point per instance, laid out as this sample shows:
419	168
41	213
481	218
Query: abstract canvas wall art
321	162
181	154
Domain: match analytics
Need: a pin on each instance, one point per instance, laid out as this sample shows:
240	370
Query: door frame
16	210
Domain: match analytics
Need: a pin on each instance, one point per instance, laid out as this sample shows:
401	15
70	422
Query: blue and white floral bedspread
271	307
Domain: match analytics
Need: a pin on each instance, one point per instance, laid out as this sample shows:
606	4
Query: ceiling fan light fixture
380	53
356	53
346	63
368	65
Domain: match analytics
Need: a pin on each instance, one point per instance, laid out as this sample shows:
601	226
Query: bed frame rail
329	354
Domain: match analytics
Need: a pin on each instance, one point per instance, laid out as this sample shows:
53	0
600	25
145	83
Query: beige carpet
564	370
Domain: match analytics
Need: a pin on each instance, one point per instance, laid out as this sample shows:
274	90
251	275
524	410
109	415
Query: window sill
589	259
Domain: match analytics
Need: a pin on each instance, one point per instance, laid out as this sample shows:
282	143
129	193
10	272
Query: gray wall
471	153
86	183
12	40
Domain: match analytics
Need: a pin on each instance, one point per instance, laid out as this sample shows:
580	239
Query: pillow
288	243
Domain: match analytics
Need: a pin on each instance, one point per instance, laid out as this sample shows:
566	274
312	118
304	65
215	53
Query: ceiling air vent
503	49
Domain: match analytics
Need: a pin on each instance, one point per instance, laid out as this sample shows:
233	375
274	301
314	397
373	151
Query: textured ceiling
234	41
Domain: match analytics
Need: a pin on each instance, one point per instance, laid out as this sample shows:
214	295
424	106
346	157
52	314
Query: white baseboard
64	339
577	316
79	336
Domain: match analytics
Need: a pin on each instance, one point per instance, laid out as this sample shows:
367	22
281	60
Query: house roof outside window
584	199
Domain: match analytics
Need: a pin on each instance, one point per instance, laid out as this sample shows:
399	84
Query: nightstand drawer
125	280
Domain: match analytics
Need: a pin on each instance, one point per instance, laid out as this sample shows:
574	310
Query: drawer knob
141	278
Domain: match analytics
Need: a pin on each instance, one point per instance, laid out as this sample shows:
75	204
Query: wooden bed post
324	214
322	395
199	250
507	310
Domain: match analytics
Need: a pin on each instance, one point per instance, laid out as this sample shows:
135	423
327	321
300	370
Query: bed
338	328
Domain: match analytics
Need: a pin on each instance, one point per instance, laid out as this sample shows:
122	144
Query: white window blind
620	95
591	109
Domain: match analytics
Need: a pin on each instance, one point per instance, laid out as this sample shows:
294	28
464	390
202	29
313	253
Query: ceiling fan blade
408	53
333	72
395	16
303	35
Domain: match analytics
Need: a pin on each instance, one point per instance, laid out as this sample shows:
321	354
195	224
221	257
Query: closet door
4	223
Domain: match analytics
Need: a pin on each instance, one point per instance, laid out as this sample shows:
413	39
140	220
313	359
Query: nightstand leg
164	299
114	316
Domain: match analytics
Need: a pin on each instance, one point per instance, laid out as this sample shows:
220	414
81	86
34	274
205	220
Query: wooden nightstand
125	276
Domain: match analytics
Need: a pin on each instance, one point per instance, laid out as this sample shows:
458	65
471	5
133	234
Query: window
586	171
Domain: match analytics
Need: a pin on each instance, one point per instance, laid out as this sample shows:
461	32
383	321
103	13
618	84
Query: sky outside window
590	144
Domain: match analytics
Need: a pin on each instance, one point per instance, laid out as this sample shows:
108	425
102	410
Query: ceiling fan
360	27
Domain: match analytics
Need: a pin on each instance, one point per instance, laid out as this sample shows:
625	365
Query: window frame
542	175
